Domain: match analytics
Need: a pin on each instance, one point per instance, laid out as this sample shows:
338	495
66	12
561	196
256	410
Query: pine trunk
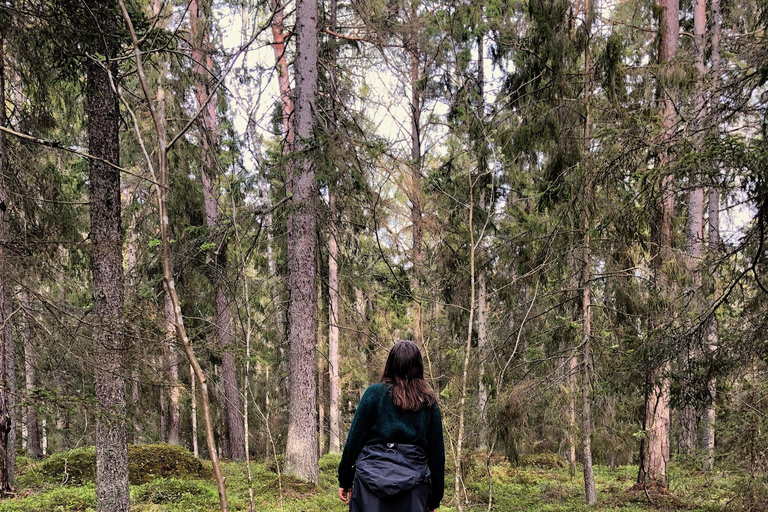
301	458
657	407
107	270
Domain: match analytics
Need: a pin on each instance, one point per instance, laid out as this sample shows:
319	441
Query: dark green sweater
377	420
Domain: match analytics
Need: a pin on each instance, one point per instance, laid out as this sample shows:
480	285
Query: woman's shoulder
378	389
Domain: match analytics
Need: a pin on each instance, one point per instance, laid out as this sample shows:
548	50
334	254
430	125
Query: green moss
151	461
61	499
189	494
145	463
543	461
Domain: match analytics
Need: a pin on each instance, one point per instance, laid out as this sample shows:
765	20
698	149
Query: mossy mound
543	461
145	464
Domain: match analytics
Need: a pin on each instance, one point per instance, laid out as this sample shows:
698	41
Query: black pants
414	500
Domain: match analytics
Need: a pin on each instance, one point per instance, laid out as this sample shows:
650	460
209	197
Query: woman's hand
345	494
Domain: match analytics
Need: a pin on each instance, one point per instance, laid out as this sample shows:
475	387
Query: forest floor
532	487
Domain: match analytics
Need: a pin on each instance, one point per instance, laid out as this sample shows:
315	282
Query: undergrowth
541	484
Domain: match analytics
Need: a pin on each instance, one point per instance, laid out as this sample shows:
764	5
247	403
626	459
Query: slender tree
713	248
200	22
5	310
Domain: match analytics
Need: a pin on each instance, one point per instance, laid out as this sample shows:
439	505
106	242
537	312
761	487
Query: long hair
404	373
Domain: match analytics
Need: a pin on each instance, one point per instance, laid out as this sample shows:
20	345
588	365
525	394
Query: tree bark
172	368
657	409
467	349
6	340
107	269
201	55
279	35
414	193
334	292
333	326
482	286
713	245
586	281
301	458
694	242
586	382
34	450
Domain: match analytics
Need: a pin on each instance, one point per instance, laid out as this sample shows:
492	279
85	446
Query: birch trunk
34	449
713	244
333	327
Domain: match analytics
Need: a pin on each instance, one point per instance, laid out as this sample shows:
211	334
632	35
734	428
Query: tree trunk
107	268
6	340
482	286
414	193
572	380
657	409
163	395
713	244
693	246
333	326
482	344
281	62
34	450
586	282
161	180
467	351
201	54
586	383
301	459
172	368
193	414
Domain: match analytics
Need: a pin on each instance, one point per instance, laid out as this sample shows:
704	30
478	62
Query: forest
216	217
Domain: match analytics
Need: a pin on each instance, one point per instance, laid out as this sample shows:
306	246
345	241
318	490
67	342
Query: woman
394	459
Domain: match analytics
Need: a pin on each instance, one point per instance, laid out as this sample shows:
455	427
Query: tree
107	269
203	63
657	401
301	455
5	309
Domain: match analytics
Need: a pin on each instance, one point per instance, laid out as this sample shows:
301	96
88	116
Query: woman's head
404	372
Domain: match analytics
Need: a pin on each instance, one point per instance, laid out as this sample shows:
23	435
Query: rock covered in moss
145	464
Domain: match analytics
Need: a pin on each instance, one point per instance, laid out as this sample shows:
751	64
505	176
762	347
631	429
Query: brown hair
404	373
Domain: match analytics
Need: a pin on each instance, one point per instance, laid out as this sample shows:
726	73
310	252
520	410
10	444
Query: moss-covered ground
539	484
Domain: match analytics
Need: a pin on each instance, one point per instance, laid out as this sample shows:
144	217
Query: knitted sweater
377	420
